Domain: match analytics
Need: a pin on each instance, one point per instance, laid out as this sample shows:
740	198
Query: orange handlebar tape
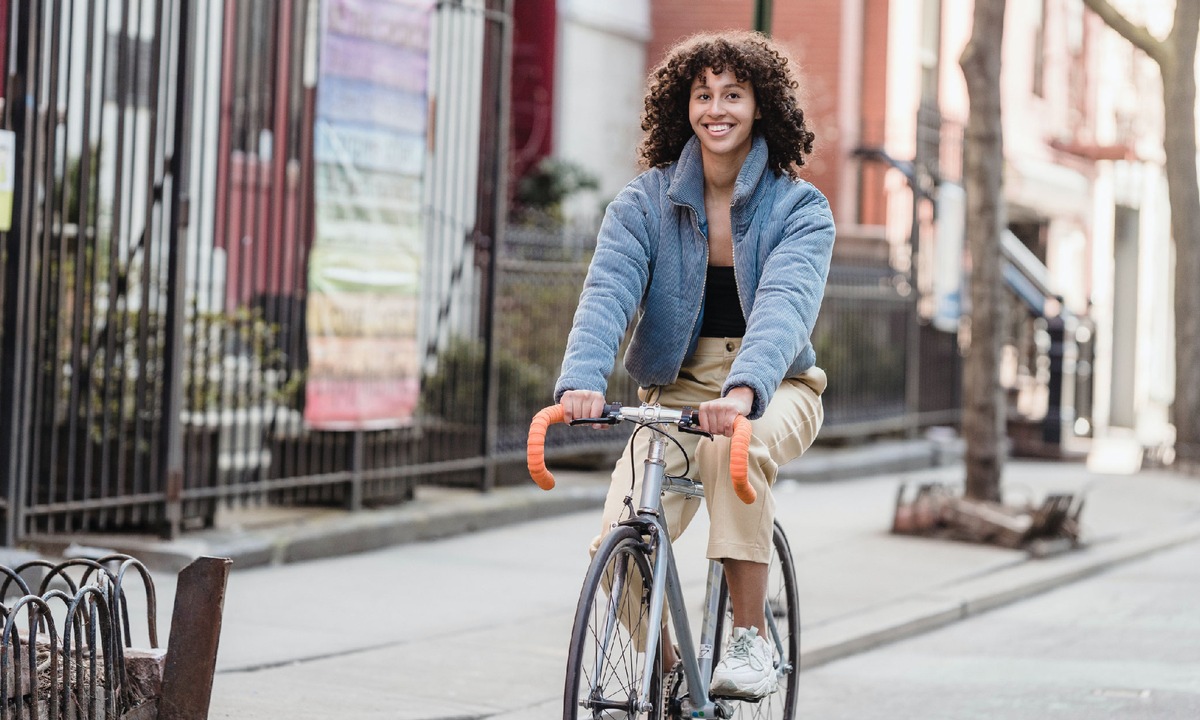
739	461
535	450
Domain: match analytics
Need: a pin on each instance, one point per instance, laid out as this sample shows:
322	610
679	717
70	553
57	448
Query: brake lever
595	421
690	424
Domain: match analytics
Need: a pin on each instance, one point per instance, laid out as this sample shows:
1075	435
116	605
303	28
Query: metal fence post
17	350
358	458
171	427
499	180
13	354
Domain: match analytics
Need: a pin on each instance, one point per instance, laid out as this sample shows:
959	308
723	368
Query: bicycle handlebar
535	449
739	446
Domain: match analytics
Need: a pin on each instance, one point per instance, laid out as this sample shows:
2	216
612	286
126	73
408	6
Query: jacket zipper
704	281
733	256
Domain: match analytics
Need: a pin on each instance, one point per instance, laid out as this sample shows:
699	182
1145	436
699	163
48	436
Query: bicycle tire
783	599
616	667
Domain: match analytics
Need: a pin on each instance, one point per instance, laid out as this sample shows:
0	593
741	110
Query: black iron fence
154	286
91	99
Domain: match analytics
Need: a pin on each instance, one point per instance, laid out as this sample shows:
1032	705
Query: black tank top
722	307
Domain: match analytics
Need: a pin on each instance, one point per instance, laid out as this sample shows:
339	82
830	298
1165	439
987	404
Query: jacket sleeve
786	302
616	282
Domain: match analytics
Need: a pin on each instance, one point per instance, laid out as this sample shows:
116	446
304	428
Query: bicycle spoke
607	664
782	633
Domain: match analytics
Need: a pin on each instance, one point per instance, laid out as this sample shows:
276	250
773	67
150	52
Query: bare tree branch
1138	35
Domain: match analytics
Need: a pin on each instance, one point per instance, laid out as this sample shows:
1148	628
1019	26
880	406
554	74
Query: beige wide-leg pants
783	433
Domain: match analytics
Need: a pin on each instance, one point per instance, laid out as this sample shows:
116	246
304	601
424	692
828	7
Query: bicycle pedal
738	698
723	708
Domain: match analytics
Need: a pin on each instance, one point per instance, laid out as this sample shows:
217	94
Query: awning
1045	188
1029	279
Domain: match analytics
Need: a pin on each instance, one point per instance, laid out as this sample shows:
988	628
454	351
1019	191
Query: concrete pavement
1123	644
476	625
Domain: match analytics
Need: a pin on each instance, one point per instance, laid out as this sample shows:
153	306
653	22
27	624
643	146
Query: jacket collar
687	182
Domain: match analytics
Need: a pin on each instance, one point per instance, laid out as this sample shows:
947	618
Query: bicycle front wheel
607	658
783	615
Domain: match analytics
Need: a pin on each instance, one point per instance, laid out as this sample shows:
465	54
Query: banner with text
365	265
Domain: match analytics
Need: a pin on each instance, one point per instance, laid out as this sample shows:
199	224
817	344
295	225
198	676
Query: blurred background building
323	251
1089	250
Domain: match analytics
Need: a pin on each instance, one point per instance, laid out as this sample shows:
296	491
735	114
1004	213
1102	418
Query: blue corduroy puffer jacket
652	256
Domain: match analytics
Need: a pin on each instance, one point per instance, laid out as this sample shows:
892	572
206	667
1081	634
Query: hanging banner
365	264
949	268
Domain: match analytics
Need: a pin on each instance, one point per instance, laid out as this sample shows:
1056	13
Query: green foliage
858	352
540	194
534	313
244	333
67	187
114	365
455	392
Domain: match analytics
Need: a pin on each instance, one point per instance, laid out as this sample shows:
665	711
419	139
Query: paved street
1125	644
476	626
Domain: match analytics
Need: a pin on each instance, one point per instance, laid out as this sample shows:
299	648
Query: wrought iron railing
155	279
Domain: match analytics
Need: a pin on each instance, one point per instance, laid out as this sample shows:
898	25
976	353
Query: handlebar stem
652	478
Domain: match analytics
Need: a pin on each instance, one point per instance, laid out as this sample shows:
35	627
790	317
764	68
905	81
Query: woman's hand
717	416
578	404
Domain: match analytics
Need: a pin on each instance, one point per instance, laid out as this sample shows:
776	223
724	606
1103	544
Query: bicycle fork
650	504
651	490
667	588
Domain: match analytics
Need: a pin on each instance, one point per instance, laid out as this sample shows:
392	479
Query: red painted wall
535	24
812	31
872	207
673	20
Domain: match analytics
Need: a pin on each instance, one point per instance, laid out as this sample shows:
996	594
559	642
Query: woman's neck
721	172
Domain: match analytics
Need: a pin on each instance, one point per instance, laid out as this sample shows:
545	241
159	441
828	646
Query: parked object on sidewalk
67	646
938	510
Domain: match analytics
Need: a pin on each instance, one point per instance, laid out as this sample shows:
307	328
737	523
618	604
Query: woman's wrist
743	395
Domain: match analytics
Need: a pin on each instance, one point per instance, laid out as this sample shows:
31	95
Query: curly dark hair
753	58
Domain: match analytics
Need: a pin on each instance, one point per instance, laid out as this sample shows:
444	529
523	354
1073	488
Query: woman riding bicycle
722	252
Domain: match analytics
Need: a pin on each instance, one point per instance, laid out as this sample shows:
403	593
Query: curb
878	458
928	611
372	531
367	530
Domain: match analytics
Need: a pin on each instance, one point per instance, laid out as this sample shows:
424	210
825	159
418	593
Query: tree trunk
1176	58
983	167
1179	140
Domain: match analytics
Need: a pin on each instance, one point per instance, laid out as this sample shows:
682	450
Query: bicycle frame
667	591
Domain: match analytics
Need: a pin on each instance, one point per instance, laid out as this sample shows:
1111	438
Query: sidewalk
475	626
261	535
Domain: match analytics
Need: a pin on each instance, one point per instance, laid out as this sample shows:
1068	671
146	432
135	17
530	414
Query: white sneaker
747	670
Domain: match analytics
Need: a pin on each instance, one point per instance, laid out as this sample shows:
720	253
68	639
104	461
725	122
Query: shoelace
742	648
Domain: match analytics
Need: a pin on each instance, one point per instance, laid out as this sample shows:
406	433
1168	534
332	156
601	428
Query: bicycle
614	667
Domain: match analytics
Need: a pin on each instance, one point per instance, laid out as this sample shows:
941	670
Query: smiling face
722	111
